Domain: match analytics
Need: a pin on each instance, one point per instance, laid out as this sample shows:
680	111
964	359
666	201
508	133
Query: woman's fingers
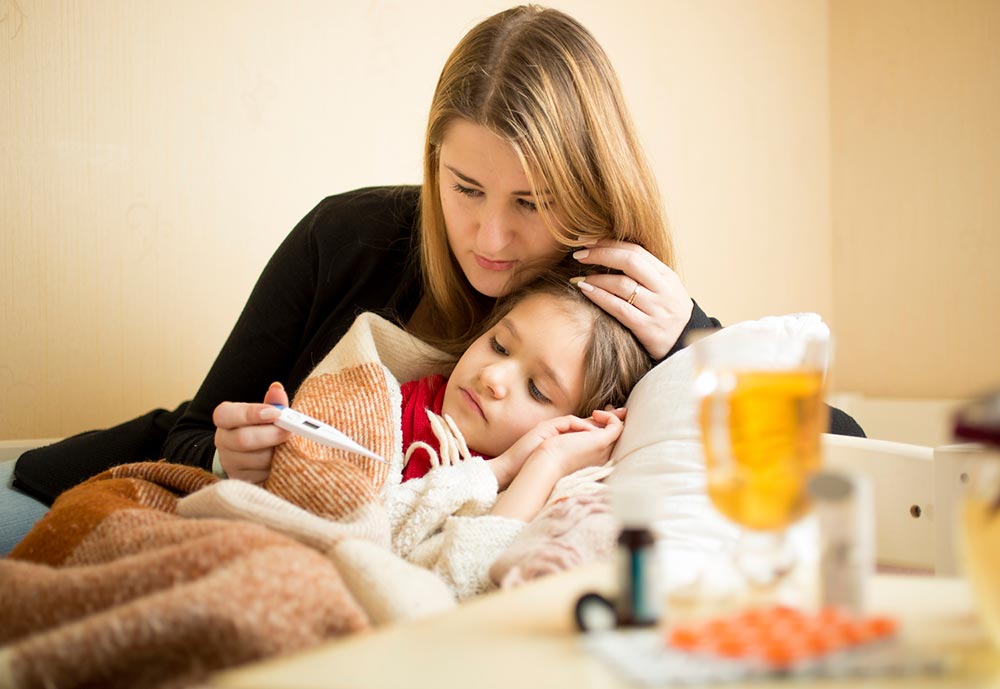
276	395
249	439
630	259
245	435
257	477
623	287
648	297
245	453
240	414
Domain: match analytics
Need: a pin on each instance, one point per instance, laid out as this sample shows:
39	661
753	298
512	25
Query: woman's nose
494	232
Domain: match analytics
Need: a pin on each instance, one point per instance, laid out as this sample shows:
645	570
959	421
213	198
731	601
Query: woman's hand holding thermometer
319	432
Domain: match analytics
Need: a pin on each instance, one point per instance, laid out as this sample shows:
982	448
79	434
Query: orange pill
815	643
780	655
853	632
684	638
881	626
730	646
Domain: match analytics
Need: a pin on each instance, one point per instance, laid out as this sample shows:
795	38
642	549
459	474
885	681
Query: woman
530	155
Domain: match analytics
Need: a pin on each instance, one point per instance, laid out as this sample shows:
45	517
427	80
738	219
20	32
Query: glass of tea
761	412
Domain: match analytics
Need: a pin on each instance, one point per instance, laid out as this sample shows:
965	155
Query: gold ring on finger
631	299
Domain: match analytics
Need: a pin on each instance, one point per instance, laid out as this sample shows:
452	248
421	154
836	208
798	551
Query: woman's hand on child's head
245	435
648	298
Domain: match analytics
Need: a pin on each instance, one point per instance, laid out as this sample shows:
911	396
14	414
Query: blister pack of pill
761	644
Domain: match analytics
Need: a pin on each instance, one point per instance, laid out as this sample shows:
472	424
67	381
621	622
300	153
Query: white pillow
660	451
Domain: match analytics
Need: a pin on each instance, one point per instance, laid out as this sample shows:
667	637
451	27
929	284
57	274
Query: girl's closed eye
497	347
537	394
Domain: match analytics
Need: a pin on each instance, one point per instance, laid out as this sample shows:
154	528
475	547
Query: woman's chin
493	285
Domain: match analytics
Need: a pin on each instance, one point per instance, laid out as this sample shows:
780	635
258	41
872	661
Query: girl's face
526	369
490	213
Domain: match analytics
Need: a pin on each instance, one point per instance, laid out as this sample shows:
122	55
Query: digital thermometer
319	432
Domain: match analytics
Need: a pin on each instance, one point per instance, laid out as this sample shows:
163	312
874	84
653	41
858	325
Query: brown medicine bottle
639	600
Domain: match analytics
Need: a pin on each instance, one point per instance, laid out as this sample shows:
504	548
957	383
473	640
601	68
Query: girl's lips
498	266
473	402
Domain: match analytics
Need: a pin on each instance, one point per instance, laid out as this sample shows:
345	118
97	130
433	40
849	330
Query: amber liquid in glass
762	444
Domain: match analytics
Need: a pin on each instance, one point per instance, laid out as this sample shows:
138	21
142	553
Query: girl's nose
493	379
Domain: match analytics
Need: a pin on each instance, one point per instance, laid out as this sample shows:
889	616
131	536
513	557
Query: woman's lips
473	402
498	266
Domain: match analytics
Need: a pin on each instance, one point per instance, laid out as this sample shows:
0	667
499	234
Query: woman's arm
261	348
332	266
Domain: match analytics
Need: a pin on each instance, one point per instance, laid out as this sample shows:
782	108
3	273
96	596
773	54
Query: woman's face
491	215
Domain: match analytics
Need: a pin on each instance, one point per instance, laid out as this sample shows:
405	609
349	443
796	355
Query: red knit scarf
419	395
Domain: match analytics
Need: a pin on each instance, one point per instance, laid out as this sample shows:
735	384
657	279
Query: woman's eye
536	393
527	205
497	347
467	191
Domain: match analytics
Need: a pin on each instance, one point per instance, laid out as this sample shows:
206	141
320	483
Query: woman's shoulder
372	229
390	209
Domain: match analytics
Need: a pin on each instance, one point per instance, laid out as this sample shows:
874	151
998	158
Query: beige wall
152	156
915	101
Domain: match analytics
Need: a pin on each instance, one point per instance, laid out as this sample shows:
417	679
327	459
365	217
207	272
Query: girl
532	391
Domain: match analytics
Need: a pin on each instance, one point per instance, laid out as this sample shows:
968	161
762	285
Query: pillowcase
660	453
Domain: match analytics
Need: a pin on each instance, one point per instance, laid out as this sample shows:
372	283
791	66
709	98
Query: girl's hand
506	466
588	444
648	299
246	436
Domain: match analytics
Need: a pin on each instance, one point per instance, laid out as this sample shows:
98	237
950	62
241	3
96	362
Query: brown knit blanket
156	575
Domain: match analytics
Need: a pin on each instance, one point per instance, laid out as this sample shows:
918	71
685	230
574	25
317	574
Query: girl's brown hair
539	80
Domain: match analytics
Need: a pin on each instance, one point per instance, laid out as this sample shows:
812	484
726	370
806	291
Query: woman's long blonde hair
539	80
